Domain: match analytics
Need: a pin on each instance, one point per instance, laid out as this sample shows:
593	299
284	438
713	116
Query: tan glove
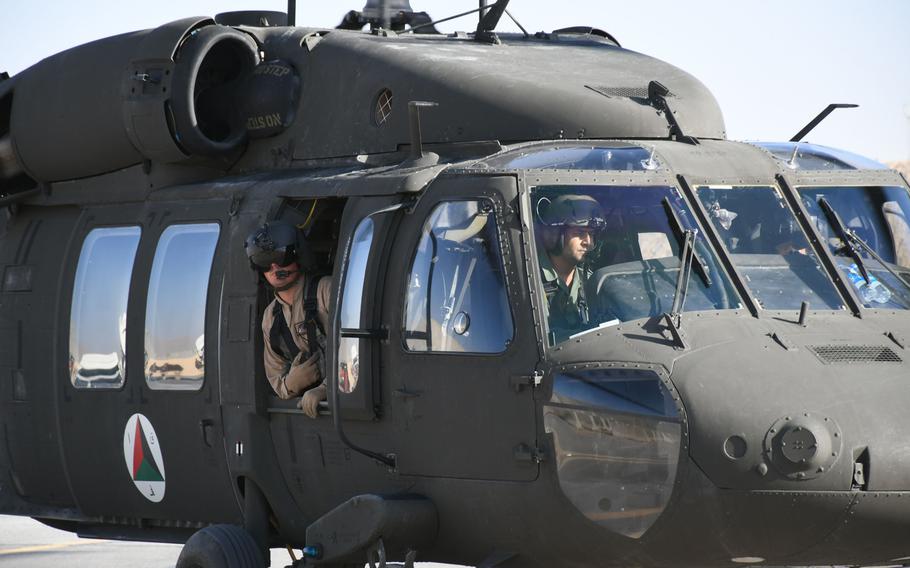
303	374
309	403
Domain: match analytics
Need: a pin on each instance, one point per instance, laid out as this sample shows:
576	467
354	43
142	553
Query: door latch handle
525	453
205	428
519	382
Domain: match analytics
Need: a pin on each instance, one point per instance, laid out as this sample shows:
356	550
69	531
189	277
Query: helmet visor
264	259
573	211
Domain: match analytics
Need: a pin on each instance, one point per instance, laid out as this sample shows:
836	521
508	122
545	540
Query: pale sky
772	64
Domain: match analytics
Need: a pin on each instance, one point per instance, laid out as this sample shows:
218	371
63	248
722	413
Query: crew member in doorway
570	225
294	323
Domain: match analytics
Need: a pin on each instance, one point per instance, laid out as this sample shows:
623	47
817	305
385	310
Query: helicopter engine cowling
168	95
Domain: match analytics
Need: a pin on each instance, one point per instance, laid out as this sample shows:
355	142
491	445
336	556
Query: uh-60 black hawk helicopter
727	382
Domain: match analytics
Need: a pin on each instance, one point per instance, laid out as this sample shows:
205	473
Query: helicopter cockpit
633	267
856	219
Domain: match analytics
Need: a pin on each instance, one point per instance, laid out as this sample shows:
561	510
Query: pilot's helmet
572	210
277	242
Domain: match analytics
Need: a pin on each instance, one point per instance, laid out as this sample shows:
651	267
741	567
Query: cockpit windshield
612	254
867	230
770	251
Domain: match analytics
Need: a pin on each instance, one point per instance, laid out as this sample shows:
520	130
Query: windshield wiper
851	239
687	259
673	318
679	232
846	236
685	270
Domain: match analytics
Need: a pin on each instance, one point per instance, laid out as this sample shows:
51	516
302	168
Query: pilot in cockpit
568	226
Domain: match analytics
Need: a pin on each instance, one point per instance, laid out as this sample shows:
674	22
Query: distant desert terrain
902	166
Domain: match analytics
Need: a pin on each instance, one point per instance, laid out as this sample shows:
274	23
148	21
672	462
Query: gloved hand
303	374
309	403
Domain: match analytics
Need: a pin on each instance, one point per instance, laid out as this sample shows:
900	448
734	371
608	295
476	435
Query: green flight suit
567	308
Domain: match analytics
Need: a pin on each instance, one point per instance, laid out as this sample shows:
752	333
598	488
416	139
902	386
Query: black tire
221	546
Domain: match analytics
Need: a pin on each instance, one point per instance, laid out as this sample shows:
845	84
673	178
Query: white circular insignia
143	457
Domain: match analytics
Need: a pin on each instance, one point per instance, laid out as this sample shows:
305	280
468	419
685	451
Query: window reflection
456	298
351	301
98	317
175	311
617	436
630	158
815	157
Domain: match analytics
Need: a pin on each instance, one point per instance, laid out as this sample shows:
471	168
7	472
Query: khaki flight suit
276	366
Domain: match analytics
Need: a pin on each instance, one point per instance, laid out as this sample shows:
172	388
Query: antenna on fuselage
821	116
418	157
292	12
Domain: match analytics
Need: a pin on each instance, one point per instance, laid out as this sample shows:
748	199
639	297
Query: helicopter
731	392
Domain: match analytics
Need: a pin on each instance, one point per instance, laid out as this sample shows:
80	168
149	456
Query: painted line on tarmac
43	547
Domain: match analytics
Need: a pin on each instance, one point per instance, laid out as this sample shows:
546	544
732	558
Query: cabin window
175	310
97	351
456	299
351	302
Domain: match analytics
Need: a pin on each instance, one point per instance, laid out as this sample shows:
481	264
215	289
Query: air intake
168	95
855	354
627	92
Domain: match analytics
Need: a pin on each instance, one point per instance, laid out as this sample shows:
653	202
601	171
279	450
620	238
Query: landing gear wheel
221	546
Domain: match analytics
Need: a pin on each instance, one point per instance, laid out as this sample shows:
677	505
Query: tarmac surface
26	543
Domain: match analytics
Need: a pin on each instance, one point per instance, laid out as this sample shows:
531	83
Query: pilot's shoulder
268	315
324	292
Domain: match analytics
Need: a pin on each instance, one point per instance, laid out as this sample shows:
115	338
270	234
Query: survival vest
280	337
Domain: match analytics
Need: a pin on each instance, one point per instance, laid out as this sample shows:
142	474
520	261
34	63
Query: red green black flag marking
144	468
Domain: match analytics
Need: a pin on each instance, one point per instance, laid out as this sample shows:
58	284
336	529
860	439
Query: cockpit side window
175	309
97	354
456	299
350	306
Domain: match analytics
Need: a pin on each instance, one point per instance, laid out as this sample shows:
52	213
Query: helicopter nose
792	420
813	437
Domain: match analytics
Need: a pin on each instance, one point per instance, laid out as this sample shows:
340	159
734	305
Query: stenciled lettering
264	121
273	70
